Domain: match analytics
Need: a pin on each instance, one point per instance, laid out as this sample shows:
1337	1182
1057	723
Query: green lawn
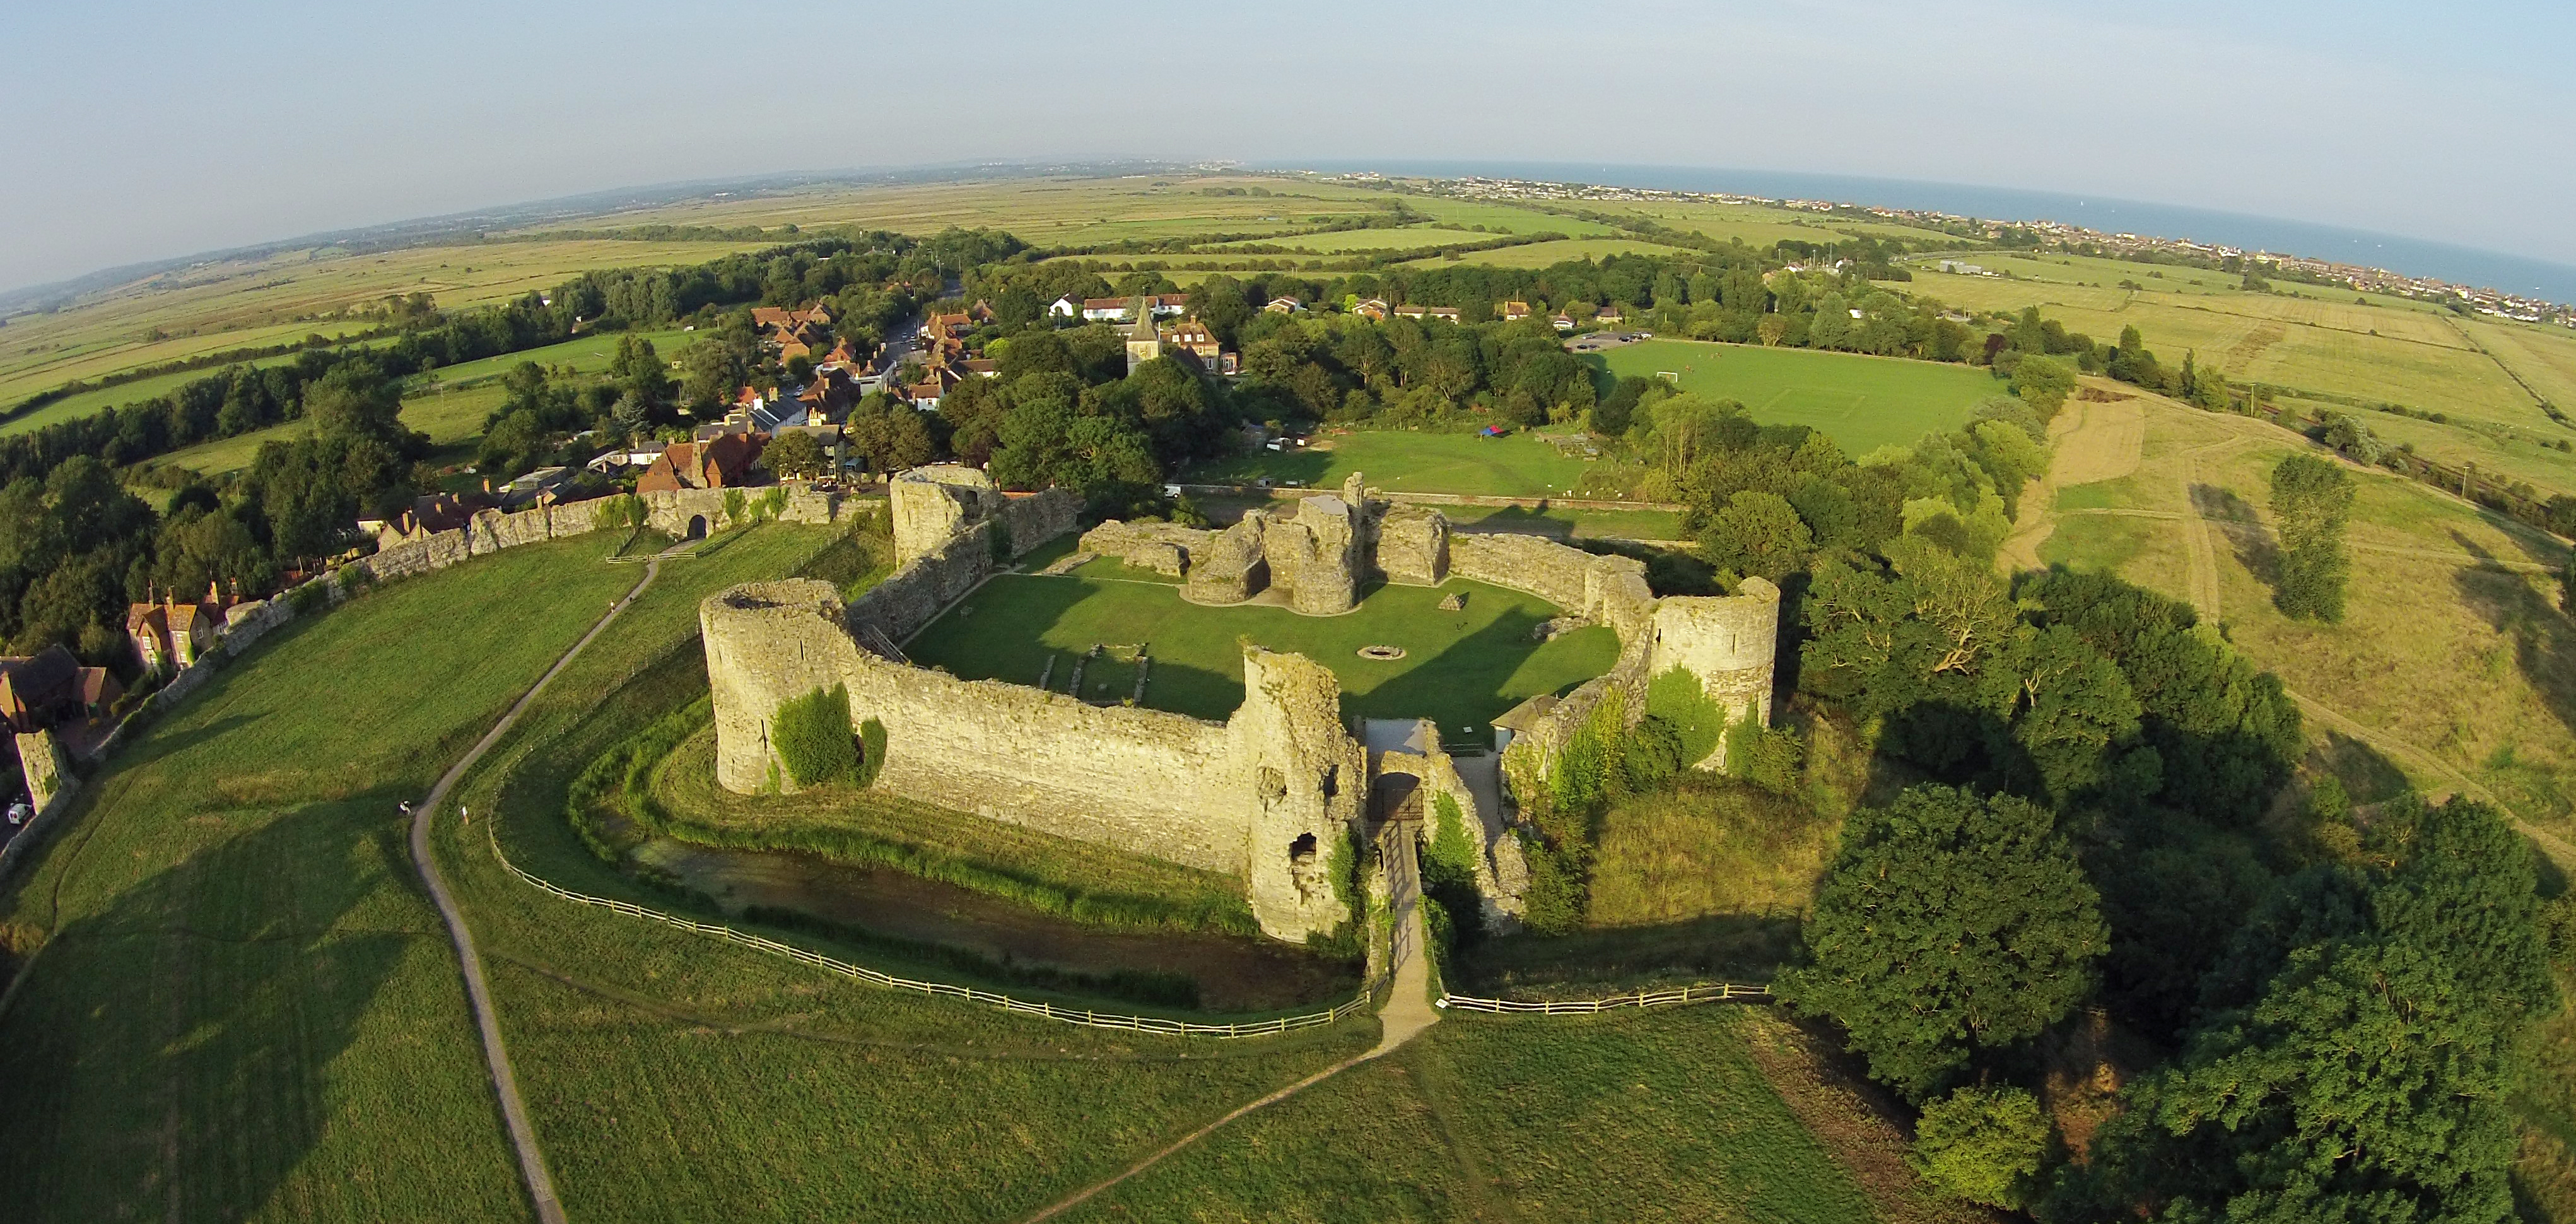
1862	403
1411	462
1460	668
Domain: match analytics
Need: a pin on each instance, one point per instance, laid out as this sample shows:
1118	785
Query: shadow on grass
176	1049
2236	519
2542	636
1720	947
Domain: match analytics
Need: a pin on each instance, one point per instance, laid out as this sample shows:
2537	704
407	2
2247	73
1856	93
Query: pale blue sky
146	130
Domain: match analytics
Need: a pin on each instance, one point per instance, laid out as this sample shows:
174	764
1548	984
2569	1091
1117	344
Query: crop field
1409	462
232	304
244	1007
1504	218
87	402
1862	403
1460	668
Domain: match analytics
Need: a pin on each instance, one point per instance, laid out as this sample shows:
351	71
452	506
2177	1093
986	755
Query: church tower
1144	339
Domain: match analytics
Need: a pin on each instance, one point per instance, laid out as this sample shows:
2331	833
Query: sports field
1406	461
1460	668
1862	403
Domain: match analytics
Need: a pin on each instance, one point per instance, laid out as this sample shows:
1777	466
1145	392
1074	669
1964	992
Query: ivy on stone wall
1678	698
872	748
812	736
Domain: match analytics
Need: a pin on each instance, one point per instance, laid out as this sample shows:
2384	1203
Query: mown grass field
1460	668
244	1008
1410	462
1862	403
87	402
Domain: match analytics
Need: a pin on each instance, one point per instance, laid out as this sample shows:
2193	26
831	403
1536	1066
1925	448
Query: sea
2461	265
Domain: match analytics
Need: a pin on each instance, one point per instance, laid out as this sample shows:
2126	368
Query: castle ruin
1268	793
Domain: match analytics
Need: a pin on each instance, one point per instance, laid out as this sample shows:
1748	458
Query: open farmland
449	405
1542	254
1862	403
229	305
1045	212
2370	348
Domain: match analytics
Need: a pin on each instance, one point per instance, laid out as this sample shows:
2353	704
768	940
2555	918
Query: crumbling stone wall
1608	590
1413	546
1231	569
1501	873
913	595
1165	548
1261	796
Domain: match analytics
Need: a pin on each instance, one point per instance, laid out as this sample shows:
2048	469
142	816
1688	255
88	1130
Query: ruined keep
1268	793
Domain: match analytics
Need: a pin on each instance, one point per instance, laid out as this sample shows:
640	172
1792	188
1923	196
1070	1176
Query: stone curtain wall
1609	590
669	511
1502	874
913	595
1244	797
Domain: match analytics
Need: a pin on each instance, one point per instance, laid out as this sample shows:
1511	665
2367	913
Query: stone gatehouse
1263	795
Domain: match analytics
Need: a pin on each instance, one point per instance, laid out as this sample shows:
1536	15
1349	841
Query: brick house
722	462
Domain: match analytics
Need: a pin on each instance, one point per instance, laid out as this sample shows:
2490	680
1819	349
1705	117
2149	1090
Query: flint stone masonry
1231	570
1727	641
1502	875
1606	590
1260	796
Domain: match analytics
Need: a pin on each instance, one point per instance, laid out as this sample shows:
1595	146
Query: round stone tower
1727	641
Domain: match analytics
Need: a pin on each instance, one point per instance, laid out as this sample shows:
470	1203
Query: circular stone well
1381	653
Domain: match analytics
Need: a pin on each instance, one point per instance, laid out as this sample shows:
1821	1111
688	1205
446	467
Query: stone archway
697	527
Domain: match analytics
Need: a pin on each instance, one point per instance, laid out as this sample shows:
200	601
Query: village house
543	486
51	687
1515	311
1192	337
1564	322
428	514
169	634
1285	305
1373	309
1608	316
717	463
1445	313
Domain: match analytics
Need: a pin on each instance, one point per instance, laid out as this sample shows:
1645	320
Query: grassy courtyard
1459	668
1862	403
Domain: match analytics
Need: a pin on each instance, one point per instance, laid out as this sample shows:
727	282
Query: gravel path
505	1085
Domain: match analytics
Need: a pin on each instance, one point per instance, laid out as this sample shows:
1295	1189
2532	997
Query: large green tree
2356	1055
1949	924
2311	498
